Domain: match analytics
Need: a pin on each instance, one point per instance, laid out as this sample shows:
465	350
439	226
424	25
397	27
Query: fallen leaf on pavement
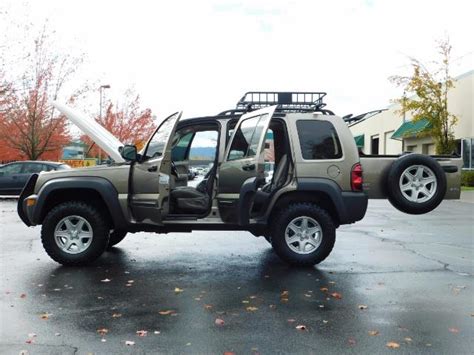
178	290
324	289
325	321
454	330
23	295
130	281
129	343
105	280
251	309
301	327
219	322
103	340
229	353
102	331
245	301
31	335
284	293
207	306
362	306
116	315
57	334
29	341
392	345
142	333
351	341
291	320
45	316
197	298
167	313
156	332
336	295
253	297
408	339
373	332
272	306
307	295
284	300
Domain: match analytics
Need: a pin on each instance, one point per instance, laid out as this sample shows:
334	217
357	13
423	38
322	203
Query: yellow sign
80	163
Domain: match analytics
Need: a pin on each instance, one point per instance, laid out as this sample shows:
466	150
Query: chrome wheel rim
303	235
73	234
418	183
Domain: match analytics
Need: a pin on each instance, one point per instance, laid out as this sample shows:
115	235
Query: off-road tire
100	230
285	216
116	237
394	193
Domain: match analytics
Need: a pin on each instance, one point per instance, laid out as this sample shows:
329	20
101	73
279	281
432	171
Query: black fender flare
349	206
102	186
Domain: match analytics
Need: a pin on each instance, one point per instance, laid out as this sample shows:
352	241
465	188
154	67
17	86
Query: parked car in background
13	176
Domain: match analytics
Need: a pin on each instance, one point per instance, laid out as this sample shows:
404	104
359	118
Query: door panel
150	176
243	160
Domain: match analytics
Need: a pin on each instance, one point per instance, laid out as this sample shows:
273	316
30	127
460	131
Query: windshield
159	140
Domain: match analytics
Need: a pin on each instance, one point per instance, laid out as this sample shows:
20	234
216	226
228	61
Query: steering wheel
174	169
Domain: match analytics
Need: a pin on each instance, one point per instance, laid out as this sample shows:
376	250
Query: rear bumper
354	207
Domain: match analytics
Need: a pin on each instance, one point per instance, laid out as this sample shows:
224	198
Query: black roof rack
351	118
286	101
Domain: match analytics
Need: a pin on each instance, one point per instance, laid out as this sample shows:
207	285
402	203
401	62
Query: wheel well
319	198
90	196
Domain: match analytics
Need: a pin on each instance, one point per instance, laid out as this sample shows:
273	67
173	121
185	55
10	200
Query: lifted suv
316	186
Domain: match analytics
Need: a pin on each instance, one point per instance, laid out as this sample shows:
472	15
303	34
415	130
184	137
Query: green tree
428	97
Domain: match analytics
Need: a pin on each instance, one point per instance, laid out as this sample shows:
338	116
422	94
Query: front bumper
27	201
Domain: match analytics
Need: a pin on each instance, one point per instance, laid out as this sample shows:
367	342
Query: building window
374	145
467	147
411	148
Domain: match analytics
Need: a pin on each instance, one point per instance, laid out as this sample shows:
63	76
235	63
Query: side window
178	153
11	169
246	139
204	146
32	168
318	140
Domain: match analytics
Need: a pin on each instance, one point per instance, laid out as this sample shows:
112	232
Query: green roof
411	129
359	140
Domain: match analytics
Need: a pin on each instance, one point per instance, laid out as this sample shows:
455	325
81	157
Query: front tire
303	234
75	233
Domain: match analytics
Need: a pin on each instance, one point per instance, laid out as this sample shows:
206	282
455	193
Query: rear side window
318	140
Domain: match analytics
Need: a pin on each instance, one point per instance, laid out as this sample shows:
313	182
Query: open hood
94	130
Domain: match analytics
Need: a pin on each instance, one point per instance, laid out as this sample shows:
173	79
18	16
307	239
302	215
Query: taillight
356	177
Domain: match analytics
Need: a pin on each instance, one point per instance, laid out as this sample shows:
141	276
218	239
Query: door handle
248	167
153	168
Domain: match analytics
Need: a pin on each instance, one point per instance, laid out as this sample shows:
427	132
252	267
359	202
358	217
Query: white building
389	133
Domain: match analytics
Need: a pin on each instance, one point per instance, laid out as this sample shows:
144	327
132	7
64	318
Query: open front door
243	160
150	177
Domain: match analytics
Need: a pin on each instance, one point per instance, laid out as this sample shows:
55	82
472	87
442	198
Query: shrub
467	178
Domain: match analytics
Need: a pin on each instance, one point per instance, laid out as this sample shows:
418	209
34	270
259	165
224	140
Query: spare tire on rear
416	184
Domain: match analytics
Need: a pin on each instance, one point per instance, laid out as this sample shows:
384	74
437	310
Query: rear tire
75	233
416	184
116	237
303	234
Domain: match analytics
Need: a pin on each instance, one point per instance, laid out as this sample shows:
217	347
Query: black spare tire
416	184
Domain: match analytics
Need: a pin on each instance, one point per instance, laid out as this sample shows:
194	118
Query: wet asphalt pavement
413	273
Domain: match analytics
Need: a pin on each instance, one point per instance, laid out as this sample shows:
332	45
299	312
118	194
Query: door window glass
158	141
11	169
203	146
178	153
246	138
32	168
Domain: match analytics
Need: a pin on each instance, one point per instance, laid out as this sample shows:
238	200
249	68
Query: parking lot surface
394	283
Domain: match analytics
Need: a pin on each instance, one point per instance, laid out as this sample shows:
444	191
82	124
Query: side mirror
129	152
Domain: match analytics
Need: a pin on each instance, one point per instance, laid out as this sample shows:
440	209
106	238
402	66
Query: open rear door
244	160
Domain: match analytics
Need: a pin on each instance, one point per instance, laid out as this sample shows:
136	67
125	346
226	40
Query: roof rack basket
286	101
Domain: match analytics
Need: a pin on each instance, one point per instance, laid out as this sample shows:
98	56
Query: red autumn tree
30	127
127	121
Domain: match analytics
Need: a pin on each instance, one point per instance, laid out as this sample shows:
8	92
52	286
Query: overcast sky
201	56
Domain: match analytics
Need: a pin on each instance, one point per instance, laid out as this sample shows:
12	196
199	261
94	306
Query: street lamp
101	88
